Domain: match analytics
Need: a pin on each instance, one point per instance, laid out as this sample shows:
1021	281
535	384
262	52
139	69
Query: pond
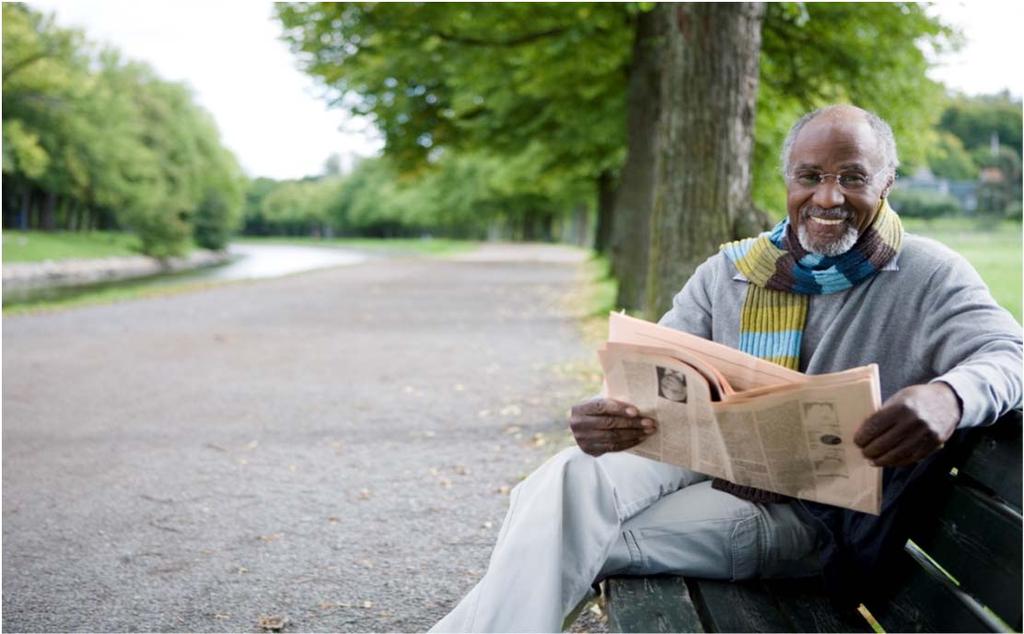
249	261
255	261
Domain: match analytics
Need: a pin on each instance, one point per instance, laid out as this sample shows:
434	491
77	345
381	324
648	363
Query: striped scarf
783	275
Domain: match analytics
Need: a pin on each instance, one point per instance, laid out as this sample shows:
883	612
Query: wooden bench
960	570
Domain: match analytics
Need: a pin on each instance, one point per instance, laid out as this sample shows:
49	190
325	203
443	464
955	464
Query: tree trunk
635	196
579	225
706	132
49	212
605	210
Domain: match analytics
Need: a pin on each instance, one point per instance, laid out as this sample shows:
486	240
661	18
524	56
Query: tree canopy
92	140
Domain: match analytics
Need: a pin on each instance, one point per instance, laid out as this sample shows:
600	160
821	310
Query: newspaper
731	415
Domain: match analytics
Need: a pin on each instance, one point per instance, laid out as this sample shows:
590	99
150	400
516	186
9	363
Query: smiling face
827	216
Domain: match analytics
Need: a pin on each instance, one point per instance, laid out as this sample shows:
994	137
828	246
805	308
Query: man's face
829	216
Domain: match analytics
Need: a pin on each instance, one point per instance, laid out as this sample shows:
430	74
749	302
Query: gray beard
830	249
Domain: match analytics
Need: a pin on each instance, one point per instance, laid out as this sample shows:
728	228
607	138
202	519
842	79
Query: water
255	261
249	261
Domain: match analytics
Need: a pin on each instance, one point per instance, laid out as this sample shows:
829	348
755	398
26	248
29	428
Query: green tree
948	158
91	141
501	78
975	120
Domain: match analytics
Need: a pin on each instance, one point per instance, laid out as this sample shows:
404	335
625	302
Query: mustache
831	213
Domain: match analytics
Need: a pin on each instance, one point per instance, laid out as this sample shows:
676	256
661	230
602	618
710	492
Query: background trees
597	124
92	141
564	80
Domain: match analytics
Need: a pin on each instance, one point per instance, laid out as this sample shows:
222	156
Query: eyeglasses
850	181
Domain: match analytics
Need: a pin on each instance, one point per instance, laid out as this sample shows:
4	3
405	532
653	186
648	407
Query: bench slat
810	610
980	545
650	604
744	606
994	459
924	604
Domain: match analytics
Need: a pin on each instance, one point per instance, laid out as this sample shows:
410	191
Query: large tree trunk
706	131
605	210
635	197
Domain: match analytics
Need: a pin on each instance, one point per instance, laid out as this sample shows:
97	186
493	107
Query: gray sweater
927	316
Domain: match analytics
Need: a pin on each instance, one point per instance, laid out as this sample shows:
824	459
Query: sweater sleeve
691	307
974	344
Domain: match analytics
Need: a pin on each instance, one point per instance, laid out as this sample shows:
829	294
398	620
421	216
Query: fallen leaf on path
488	524
364	494
273	537
504	489
538	440
434	471
460	470
252	444
513	429
446	483
511	410
333	520
272	623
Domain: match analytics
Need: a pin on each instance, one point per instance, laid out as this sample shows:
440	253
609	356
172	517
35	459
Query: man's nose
828	194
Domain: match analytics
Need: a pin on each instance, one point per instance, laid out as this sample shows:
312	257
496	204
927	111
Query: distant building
965	192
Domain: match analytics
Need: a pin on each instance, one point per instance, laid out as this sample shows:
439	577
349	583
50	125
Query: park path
333	448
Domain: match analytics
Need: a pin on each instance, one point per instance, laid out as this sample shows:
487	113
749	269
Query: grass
109	294
38	246
598	298
419	246
993	249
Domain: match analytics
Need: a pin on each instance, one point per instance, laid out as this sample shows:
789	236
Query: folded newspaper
728	414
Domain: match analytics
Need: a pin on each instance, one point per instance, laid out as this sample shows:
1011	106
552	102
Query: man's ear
888	186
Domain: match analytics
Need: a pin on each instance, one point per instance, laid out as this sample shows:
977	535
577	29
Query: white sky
269	113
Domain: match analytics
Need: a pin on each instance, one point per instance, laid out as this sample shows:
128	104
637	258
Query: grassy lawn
37	246
994	251
421	246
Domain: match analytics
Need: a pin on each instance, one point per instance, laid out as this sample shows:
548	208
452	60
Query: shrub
924	204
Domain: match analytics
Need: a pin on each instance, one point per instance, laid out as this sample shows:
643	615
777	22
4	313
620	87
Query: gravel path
333	449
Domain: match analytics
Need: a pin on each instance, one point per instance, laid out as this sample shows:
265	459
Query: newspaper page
743	371
794	439
800	442
668	390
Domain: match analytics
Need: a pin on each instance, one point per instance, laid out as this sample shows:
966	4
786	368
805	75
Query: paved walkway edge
20	276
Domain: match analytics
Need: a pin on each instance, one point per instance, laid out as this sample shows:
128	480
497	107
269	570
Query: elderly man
835	285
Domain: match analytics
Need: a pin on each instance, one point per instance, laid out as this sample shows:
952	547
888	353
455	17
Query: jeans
578	519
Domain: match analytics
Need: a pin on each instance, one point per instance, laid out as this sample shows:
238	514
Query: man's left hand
913	423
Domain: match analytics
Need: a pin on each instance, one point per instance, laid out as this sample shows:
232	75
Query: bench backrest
963	569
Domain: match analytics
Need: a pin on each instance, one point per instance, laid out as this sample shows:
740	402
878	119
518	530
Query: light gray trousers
578	519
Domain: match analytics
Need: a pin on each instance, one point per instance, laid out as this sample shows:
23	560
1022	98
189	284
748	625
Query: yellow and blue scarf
783	275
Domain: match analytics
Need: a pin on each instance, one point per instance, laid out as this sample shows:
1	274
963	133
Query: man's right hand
601	425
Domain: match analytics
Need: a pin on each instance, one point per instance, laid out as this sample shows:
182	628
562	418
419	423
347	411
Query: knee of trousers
568	469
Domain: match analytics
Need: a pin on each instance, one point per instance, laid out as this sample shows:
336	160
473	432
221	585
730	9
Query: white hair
881	129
